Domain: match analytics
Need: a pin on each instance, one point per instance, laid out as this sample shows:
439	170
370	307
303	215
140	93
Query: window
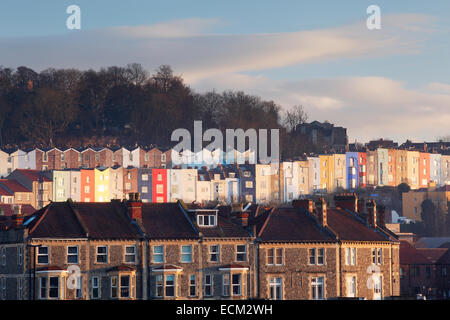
170	285
377	256
144	189
79	293
249	184
145	177
72	254
351	286
402	273
42	255
97	157
114	287
236	284
247	174
125	287
3	256
127	186
159	188
19	255
241	253
53	292
226	285
159	286
316	256
214	253
86	189
130	254
444	271
276	288
43	288
186	254
102	254
350	256
428	272
206	220
208	286
163	157
317	288
192	286
275	256
158	254
95	288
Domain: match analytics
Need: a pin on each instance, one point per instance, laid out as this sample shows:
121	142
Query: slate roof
291	225
350	227
13	186
33	175
410	255
8	209
166	220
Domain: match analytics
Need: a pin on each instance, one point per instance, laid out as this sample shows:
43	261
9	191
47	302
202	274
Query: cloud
188	47
370	107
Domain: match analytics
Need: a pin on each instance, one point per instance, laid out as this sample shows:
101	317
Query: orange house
424	169
87	185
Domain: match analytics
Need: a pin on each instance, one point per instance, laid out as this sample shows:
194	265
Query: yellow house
326	173
340	177
412	158
102	177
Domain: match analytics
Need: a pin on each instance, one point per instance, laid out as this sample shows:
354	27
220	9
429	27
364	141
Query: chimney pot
306	204
372	213
134	206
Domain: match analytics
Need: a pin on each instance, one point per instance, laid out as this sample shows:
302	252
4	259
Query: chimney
347	201
17	218
321	211
134	206
372	213
381	215
239	215
361	205
306	204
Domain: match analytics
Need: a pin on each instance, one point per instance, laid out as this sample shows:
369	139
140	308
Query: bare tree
293	117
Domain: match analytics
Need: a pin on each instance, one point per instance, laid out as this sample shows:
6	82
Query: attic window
207	220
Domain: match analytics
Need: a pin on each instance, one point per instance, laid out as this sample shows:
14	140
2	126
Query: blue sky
390	83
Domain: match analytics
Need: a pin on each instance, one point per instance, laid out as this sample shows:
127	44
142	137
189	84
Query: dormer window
207	219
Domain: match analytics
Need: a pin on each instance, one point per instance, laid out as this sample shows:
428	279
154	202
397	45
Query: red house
362	169
159	185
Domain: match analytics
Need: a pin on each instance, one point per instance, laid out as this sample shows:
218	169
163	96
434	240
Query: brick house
144	251
37	182
313	252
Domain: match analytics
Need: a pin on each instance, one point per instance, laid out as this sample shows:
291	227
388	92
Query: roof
225	227
83	220
433	254
431	242
410	255
8	209
13	186
351	227
5	192
33	175
291	225
166	220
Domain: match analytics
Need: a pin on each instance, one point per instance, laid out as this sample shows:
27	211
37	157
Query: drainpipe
144	269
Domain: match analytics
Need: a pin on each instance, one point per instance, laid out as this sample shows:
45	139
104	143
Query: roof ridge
40	218
269	216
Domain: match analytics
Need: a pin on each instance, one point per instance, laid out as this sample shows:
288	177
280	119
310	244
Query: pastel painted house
87	185
8	161
435	168
352	163
116	183
203	187
314	174
66	185
159	185
247	182
231	174
145	178
289	181
102	184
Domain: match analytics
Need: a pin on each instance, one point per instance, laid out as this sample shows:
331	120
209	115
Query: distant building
324	134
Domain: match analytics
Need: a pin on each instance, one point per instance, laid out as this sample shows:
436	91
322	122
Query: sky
390	83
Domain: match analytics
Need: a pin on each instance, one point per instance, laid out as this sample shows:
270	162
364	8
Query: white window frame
73	254
93	286
208	284
214	253
273	285
97	254
226	288
241	253
38	255
158	254
126	254
184	254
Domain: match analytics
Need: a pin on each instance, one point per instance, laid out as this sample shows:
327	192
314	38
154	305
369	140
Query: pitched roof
166	220
33	175
291	225
433	254
431	242
410	255
13	186
225	227
8	209
350	227
5	192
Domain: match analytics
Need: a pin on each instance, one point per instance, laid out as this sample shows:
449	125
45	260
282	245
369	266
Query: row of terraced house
98	175
134	250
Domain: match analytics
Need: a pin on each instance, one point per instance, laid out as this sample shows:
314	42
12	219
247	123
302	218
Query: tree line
125	106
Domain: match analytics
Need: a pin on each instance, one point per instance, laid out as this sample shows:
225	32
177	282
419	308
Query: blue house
352	167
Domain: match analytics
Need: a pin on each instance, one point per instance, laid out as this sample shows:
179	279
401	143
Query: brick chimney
134	206
306	204
347	201
371	213
239	215
361	205
17	217
321	212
